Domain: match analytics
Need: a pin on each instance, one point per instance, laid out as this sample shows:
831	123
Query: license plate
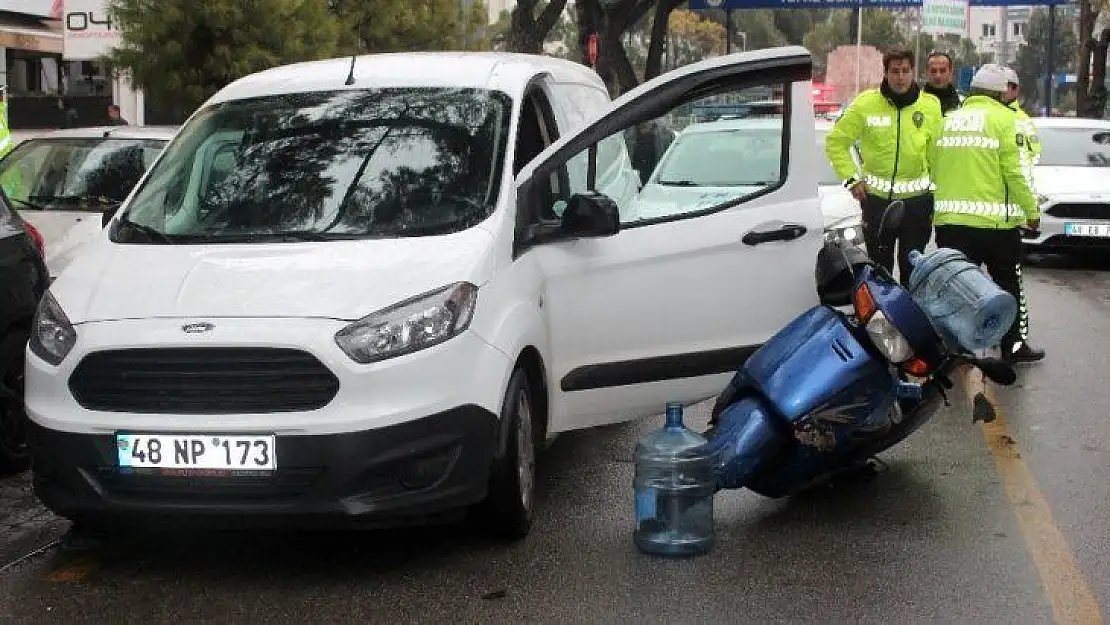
1087	230
196	451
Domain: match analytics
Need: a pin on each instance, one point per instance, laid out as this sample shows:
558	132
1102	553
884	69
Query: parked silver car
1072	181
64	181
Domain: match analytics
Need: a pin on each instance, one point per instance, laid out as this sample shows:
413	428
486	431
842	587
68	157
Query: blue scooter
833	389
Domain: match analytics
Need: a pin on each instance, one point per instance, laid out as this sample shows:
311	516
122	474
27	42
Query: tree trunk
1096	102
617	60
654	65
588	15
1087	17
617	21
522	29
526	31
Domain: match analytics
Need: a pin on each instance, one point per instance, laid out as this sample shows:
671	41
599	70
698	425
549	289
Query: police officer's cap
990	77
1012	76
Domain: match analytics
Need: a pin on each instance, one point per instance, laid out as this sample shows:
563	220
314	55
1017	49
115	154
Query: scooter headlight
889	341
849	230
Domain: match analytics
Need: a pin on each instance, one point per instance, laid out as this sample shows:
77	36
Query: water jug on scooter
833	389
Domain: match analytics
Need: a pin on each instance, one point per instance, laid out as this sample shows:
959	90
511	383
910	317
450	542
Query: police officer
1032	153
938	81
982	195
894	125
7	142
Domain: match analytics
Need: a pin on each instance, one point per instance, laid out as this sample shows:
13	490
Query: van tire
507	510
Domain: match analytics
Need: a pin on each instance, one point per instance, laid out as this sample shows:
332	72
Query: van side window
536	131
711	153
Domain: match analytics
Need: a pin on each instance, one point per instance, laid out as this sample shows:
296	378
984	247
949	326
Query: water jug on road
674	486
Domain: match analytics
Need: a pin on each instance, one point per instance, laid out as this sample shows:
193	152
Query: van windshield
346	164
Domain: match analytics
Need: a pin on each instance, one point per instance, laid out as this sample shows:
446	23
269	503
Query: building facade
49	84
998	32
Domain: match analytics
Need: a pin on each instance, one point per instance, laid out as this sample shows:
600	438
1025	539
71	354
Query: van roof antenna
351	75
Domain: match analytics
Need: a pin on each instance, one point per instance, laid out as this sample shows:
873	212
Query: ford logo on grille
197	328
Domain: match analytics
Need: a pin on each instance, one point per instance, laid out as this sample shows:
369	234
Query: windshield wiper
311	237
151	233
678	183
30	205
76	199
428	230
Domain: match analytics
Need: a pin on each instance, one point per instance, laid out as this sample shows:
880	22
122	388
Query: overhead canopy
29	34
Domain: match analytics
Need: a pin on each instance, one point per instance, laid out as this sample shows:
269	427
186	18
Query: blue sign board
701	5
963	78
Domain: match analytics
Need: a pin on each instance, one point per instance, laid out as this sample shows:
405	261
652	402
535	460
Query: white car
371	288
1072	181
711	161
842	211
64	182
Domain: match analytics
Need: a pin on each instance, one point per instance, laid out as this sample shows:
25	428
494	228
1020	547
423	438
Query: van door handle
788	232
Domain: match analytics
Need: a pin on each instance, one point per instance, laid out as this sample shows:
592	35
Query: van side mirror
584	215
591	215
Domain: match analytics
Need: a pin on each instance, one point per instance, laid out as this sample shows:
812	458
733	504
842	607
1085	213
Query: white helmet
991	77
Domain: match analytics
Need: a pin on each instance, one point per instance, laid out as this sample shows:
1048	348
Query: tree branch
618	61
550	17
654	65
637	13
618	18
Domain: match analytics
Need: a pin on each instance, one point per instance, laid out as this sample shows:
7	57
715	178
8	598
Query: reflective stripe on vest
882	185
968	141
985	209
1025	158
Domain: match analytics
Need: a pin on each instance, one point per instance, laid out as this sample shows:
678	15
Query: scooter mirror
892	218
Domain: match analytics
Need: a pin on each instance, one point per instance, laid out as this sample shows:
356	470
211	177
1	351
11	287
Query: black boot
1024	353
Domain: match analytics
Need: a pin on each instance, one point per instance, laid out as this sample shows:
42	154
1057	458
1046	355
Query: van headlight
411	325
889	341
52	335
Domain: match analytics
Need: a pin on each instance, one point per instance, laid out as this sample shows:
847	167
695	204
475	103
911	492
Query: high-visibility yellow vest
1031	155
978	168
7	142
893	143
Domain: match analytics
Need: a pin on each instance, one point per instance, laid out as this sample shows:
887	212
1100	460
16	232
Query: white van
370	289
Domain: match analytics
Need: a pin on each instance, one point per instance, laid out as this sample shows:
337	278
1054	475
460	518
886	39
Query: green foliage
758	25
412	25
183	51
1032	56
180	52
880	29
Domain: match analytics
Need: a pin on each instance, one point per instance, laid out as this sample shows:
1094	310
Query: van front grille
203	380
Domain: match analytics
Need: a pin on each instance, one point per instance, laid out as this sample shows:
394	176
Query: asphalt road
1006	523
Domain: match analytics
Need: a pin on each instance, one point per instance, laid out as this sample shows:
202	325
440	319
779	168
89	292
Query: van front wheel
507	509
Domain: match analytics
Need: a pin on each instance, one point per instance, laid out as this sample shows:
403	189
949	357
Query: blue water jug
966	307
674	487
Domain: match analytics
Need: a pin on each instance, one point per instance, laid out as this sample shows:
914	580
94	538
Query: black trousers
1000	251
913	233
